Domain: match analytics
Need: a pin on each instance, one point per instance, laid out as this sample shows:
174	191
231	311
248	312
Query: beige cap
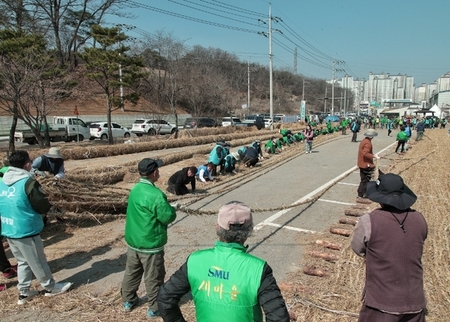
234	212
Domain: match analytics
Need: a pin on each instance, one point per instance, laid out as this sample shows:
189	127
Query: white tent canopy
437	111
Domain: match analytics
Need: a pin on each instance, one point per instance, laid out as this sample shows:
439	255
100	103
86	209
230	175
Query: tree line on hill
48	49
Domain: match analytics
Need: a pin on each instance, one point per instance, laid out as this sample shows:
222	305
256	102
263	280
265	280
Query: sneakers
59	288
128	306
10	272
152	314
24	298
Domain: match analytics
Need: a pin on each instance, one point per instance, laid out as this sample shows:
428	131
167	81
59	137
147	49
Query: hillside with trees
56	54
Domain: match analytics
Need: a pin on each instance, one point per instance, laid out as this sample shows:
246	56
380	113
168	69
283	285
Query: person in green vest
402	138
226	283
270	146
344	124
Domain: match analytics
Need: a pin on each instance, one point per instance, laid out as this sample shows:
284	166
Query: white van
228	121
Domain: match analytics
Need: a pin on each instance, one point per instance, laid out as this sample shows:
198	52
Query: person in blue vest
8	270
355	127
51	162
257	146
230	162
204	173
216	156
22	204
226	283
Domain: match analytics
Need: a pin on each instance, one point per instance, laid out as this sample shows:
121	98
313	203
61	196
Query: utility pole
332	82
270	66
270	60
332	87
248	87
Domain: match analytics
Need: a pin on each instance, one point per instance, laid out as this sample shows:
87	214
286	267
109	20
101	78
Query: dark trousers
401	143
147	266
250	162
179	190
354	136
368	314
389	132
365	175
4	263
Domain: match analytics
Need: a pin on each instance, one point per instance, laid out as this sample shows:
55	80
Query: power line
226	5
140	5
212	13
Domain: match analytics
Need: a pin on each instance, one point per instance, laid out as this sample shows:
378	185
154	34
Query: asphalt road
279	234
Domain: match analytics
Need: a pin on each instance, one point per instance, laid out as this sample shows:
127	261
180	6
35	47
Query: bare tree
110	67
70	22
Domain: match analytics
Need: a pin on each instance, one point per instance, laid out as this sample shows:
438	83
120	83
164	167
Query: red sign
75	111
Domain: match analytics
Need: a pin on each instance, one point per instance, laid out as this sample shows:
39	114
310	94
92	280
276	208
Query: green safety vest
224	283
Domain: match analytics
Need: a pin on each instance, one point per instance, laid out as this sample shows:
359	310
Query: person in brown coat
391	240
365	161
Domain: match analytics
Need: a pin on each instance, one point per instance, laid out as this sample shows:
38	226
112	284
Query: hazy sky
391	36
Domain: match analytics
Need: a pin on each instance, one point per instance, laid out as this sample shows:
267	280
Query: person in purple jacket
391	240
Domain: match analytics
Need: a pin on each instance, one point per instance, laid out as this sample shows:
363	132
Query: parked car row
140	127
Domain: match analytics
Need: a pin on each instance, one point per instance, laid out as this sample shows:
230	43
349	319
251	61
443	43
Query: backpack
354	126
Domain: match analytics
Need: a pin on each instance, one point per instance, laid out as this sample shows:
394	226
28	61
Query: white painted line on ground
338	202
349	184
292	228
303	199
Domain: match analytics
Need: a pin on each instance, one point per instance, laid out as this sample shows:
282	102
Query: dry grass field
333	297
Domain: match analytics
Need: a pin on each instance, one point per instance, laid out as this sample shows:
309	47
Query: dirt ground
89	250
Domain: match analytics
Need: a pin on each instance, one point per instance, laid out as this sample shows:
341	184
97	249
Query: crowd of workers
226	283
222	161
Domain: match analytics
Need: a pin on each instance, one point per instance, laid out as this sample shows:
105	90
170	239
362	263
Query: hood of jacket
12	175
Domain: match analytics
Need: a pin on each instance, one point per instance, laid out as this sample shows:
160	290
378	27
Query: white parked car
276	119
228	121
152	127
99	130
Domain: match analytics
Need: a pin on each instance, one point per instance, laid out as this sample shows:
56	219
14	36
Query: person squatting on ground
391	240
148	215
204	173
22	204
365	161
270	147
178	181
257	146
230	162
402	137
251	157
225	152
216	156
226	283
309	137
51	162
8	270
